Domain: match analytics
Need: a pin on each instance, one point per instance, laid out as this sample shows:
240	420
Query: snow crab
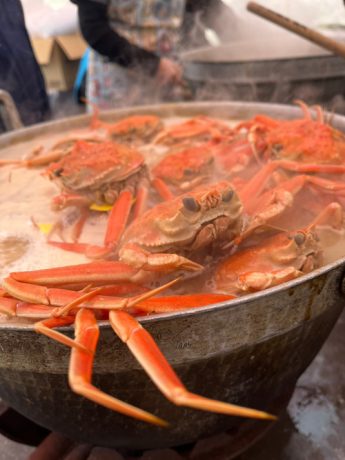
158	241
103	174
186	168
183	170
154	244
303	140
197	129
278	258
134	130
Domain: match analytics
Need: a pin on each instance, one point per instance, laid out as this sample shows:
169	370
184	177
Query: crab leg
35	162
63	201
68	299
117	221
141	200
46	326
180	302
146	351
332	216
95	273
80	370
274	202
135	256
255	186
162	189
118	218
99	273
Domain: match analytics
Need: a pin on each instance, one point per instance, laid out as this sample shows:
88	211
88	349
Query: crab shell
136	129
308	141
98	171
186	168
253	268
209	216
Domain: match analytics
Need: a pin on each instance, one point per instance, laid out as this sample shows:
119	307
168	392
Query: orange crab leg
118	218
65	200
68	299
332	215
168	304
162	189
46	326
12	307
59	297
164	262
117	222
146	351
95	273
8	306
35	162
80	370
292	185
255	186
141	200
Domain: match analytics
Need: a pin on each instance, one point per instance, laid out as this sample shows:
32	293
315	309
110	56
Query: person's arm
96	30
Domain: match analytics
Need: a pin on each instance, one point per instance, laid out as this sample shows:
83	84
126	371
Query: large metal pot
269	71
250	351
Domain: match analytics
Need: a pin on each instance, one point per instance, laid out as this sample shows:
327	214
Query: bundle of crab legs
248	199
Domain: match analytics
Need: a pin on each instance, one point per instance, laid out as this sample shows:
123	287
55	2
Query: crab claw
137	257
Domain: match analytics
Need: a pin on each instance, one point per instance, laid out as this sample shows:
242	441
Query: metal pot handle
8	112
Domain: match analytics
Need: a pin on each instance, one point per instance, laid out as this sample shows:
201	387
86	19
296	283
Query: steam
246	38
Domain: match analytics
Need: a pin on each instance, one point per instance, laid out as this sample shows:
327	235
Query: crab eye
188	172
227	195
58	172
299	238
191	204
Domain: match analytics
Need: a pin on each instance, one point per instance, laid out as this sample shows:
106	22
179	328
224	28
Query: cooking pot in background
267	71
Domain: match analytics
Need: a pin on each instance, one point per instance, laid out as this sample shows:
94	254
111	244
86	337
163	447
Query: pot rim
166	110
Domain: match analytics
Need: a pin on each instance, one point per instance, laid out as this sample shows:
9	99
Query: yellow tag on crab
100	207
45	228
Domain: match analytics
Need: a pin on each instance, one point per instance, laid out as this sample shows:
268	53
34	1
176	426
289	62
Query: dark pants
20	74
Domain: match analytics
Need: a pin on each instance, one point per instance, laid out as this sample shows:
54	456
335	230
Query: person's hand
168	72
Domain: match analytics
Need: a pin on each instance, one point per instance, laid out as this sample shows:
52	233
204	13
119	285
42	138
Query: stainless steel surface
250	351
267	72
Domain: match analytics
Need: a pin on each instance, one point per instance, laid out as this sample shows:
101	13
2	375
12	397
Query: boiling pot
265	70
249	351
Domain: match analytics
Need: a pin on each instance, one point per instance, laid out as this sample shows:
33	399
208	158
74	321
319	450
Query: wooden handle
299	29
